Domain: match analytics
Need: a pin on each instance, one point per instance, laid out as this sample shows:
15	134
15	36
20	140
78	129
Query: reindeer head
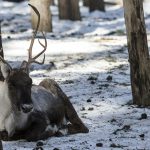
18	80
19	88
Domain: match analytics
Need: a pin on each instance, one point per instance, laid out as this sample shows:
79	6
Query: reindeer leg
37	130
34	133
76	126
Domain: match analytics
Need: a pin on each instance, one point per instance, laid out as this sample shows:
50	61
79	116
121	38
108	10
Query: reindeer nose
26	107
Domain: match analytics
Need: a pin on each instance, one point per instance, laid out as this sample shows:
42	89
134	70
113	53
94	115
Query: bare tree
138	51
96	5
43	7
69	9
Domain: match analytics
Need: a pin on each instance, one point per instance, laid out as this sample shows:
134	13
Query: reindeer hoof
72	129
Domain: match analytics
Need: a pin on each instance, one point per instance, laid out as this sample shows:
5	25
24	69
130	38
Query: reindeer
34	112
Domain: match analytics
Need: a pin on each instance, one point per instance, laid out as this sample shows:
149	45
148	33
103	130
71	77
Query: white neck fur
5	104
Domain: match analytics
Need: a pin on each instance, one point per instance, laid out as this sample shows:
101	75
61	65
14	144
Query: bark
69	9
138	51
43	7
96	5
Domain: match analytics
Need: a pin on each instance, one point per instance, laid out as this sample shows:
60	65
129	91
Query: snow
82	57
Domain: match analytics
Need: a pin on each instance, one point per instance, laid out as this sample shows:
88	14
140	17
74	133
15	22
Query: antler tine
44	46
35	32
40	63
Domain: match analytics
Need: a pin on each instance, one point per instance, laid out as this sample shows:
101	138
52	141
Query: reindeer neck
5	104
3	91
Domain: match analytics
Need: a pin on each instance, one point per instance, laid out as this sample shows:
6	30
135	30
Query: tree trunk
1	53
138	51
43	7
96	5
86	3
69	9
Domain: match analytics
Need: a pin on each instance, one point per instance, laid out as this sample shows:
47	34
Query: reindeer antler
30	58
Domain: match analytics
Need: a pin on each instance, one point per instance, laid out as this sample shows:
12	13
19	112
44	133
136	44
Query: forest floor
89	60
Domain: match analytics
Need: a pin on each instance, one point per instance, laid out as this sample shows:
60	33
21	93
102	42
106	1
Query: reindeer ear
24	67
5	70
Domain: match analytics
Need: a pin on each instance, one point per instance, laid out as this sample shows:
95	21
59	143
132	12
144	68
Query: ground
89	60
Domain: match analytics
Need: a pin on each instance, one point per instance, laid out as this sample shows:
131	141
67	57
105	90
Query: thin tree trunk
138	51
69	9
43	7
96	5
1	53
